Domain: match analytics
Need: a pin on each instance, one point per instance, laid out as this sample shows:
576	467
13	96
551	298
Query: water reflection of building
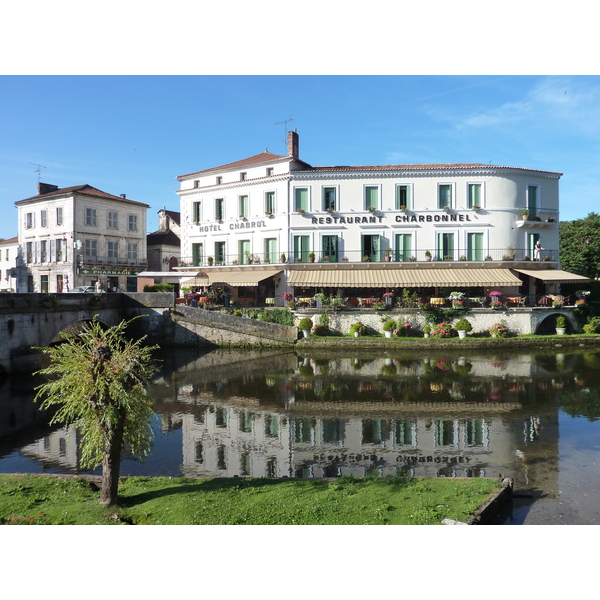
58	449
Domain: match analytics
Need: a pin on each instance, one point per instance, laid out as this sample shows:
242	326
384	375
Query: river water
533	417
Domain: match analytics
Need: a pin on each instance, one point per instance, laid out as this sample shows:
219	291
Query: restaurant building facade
281	224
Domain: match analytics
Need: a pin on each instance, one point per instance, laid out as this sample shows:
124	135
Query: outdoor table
437	301
545	301
516	300
270	301
481	301
367	302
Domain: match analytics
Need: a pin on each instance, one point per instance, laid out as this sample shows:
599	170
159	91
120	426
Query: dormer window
243	176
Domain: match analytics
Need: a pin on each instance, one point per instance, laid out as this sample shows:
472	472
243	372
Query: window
197	212
403	197
91	248
245	421
532	199
371	248
404	246
197	254
243	205
474	246
332	431
29	221
219	209
90	217
301	248
132	251
245	464
474	195
132	223
112	220
43	218
371	197
532	239
61	246
244	251
219	253
44	250
476	433
243	176
221	417
304	432
271	250
113	251
219	180
404	433
270	171
445	195
59	283
199	453
445	249
221	457
269	203
374	431
271	426
196	183
329	199
29	252
446	433
7	254
300	199
330	248
59	215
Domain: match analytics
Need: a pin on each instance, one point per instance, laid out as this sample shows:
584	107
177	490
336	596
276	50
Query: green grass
35	499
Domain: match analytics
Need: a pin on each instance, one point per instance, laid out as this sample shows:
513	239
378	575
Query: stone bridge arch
546	322
74	327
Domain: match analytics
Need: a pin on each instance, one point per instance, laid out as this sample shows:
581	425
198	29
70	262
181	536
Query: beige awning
250	278
386	277
243	276
553	275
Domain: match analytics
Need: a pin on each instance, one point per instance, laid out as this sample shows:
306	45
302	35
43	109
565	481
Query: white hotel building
281	224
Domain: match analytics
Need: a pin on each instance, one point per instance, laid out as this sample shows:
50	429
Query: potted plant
357	329
524	213
498	330
388	254
426	331
427	255
319	297
550	219
389	298
311	257
372	208
510	253
325	259
344	259
300	211
380	306
305	326
210	261
403	207
366	258
475	207
561	325
389	328
282	258
412	258
463	326
457	299
330	209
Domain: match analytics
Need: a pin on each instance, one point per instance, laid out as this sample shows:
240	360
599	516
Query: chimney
123	195
46	188
293	143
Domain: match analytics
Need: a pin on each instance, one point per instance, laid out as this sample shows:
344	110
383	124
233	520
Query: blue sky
135	134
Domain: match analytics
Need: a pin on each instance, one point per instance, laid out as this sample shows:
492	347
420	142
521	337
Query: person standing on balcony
536	250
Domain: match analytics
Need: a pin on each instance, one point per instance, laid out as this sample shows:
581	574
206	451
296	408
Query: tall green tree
580	246
98	379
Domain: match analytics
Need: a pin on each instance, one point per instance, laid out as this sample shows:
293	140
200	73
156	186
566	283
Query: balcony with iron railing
383	256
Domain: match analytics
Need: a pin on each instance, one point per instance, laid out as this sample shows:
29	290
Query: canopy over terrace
241	277
386	277
553	275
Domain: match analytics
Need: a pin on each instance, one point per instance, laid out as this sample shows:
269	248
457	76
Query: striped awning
250	278
243	276
386	277
553	275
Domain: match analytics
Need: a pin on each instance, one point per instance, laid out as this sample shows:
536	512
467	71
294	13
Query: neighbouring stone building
74	236
9	255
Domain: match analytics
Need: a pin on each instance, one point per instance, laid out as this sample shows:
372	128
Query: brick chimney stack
46	188
293	144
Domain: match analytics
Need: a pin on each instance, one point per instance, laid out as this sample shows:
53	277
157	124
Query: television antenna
284	123
38	170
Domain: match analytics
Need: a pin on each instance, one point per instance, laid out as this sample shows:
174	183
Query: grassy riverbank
38	499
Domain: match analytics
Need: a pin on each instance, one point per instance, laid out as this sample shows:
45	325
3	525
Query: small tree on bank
98	379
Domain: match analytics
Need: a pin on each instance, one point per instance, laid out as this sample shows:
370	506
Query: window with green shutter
445	196
445	248
301	248
474	195
329	199
403	246
371	197
475	246
301	199
403	200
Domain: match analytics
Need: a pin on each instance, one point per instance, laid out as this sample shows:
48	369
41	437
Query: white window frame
91	248
379	195
411	193
538	199
340	243
308	200
244	211
132	219
272	209
452	193
29	220
222	201
44	218
116	220
457	242
59	215
112	250
464	243
132	251
413	235
90	217
337	197
482	193
197	211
